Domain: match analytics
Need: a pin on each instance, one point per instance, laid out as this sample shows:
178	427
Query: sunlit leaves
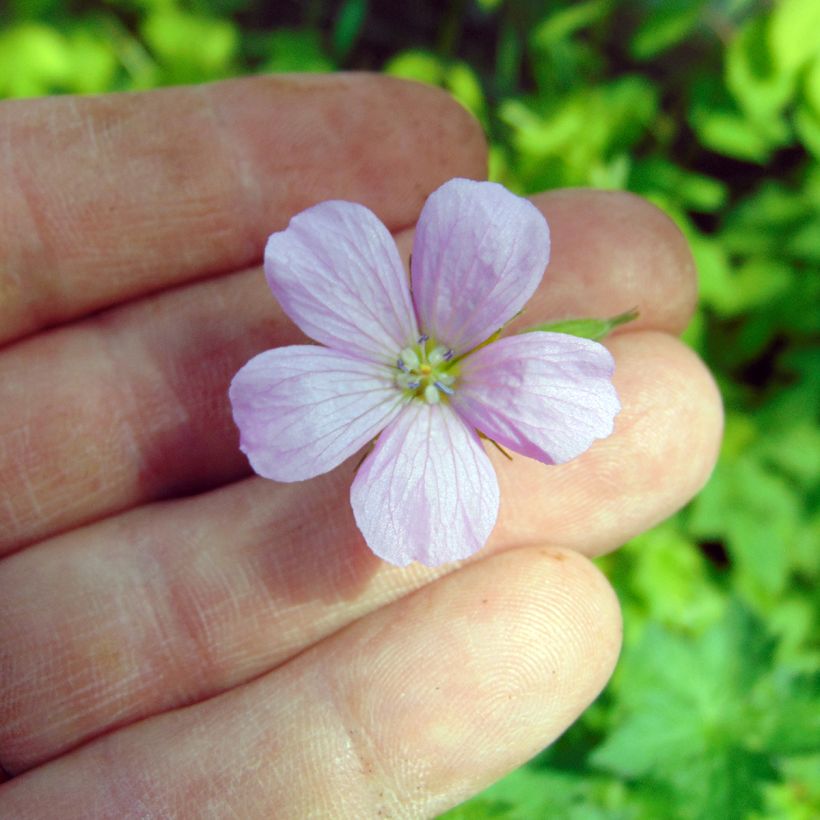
665	25
693	715
190	47
583	137
39	59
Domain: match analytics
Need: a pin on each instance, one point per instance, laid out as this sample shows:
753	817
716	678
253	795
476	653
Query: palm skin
180	639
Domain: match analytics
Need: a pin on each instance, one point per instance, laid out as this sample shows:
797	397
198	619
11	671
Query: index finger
108	198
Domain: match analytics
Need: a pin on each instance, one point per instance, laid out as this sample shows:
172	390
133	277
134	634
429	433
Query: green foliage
711	109
588	328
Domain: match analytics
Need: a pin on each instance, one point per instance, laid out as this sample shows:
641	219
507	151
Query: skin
179	638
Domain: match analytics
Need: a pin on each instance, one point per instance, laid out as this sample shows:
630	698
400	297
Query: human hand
178	639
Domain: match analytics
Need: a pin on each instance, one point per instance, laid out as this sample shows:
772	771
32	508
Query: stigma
426	371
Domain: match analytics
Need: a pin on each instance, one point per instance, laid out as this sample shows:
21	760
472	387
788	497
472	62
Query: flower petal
303	410
478	256
545	395
427	492
337	274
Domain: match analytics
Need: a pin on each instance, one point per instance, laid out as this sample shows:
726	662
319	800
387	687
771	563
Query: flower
412	367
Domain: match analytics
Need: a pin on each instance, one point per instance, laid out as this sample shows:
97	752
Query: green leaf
93	62
658	175
807	125
685	718
538	791
722	126
190	47
666	25
755	510
587	328
583	136
562	23
295	50
794	32
34	59
421	66
811	86
759	86
349	21
667	575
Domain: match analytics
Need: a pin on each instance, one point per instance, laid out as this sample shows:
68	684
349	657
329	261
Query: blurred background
711	109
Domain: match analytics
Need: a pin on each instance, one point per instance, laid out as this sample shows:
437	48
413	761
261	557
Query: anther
410	358
431	395
444	389
437	355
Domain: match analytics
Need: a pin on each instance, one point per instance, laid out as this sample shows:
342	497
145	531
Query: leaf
685	719
587	328
349	21
421	66
687	189
538	791
759	86
191	47
753	509
794	32
34	60
668	577
722	126
666	25
807	125
93	62
562	23
573	140
295	50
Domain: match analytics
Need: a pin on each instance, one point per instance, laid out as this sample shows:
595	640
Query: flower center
426	370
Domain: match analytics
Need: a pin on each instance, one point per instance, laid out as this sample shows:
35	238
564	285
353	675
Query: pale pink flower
409	368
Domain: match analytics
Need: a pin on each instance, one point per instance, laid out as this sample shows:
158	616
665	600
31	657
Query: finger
151	418
106	198
407	712
198	595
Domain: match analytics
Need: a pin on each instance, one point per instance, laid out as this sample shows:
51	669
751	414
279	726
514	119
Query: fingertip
390	141
483	668
686	409
456	142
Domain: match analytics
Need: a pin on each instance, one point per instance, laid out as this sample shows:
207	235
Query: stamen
437	355
410	358
423	372
431	395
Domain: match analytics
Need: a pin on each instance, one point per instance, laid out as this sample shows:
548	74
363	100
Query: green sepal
595	329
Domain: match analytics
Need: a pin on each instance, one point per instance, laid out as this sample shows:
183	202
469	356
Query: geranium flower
410	367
